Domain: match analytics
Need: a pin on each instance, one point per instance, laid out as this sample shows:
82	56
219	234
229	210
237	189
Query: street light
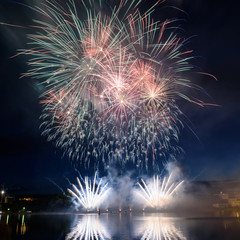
2	196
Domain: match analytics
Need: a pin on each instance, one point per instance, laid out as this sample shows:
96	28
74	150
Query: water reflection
13	226
158	228
21	227
124	226
7	220
90	227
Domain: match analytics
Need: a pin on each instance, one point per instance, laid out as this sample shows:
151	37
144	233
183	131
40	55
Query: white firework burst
90	195
158	192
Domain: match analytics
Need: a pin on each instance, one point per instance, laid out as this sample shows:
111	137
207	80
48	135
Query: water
123	226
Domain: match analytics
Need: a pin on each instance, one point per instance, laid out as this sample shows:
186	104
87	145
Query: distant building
225	194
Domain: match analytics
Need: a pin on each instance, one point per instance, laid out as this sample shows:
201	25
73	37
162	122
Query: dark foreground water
116	226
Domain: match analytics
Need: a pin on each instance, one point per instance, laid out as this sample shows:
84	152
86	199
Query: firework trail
111	77
89	195
158	192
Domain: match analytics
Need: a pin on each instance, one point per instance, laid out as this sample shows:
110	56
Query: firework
89	195
158	192
111	77
158	228
89	227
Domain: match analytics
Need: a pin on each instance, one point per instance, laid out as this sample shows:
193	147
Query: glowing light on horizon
158	192
89	195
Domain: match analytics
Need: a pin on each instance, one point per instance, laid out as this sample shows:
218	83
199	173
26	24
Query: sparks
90	195
111	78
158	193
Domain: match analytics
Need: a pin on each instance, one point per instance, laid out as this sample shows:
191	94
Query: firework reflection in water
158	228
158	192
89	227
89	195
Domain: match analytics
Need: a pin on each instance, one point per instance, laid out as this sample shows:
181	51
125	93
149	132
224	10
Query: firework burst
89	195
111	78
158	192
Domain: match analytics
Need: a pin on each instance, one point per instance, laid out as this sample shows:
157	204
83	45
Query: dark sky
27	161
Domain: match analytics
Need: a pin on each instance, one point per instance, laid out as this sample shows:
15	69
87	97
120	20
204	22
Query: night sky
28	161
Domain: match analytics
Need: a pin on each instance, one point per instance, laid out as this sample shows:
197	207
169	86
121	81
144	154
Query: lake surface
124	226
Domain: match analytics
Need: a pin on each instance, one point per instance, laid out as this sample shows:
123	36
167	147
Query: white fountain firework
157	193
157	228
89	227
90	195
